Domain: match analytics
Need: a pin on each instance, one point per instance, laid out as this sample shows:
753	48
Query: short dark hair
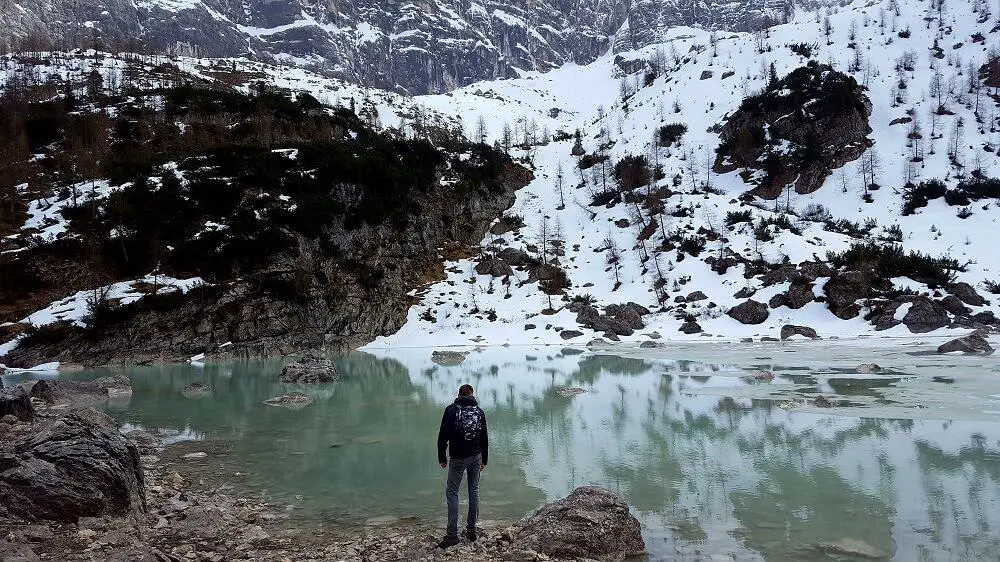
465	390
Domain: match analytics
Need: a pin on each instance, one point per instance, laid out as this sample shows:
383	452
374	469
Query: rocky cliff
303	228
417	47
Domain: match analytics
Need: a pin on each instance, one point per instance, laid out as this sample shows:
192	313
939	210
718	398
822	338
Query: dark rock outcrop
972	344
494	267
310	370
799	295
80	466
337	290
589	523
789	330
819	116
967	294
15	402
749	312
925	315
843	290
570	334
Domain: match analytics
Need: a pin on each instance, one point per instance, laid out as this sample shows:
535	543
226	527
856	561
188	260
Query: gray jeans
457	467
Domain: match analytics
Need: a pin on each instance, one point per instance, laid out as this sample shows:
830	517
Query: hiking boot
471	533
448	541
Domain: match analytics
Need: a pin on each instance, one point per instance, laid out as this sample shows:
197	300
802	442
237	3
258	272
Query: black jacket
460	448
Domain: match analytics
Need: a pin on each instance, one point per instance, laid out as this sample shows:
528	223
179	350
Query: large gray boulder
749	312
310	370
843	291
925	316
494	267
589	523
80	466
972	344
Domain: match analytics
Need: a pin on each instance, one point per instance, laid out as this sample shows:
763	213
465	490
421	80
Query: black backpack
468	423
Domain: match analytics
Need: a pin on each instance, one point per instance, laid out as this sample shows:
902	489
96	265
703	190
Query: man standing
463	434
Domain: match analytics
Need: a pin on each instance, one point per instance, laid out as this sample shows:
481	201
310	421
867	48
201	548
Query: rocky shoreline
163	510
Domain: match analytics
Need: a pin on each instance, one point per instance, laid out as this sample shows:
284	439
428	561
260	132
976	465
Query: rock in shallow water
589	523
80	466
290	400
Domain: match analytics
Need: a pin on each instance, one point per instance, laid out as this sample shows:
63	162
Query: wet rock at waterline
789	330
868	368
972	344
568	392
80	466
589	523
759	377
290	400
448	358
82	393
310	370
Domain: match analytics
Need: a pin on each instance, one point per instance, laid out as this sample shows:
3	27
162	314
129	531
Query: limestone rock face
589	523
80	466
412	47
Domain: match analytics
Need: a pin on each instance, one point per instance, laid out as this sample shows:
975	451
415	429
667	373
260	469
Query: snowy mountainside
893	54
421	47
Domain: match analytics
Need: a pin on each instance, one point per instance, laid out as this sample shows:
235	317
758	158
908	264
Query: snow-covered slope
737	67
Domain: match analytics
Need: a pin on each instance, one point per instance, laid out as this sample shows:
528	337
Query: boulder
650	344
612	325
570	334
749	312
972	344
690	327
789	330
495	267
290	400
745	293
630	317
925	316
954	305
759	376
589	523
777	301
706	74
967	294
637	308
799	295
82	392
696	296
585	314
515	257
843	291
80	466
868	368
310	370
15	402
